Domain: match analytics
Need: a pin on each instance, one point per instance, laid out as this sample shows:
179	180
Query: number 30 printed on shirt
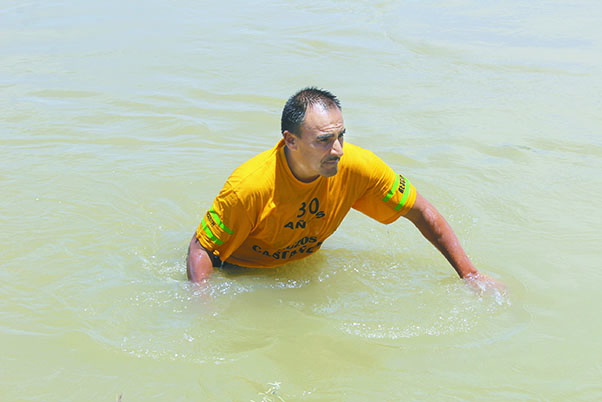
308	211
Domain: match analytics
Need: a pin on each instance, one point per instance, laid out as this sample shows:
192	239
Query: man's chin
330	171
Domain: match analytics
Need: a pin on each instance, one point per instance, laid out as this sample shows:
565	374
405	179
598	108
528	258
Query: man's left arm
436	230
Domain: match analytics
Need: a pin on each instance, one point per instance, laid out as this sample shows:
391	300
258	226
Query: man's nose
337	148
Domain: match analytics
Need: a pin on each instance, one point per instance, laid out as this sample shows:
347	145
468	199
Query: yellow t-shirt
265	217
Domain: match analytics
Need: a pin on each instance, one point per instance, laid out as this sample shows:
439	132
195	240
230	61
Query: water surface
122	120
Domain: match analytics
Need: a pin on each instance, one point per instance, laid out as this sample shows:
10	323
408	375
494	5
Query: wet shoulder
255	175
357	159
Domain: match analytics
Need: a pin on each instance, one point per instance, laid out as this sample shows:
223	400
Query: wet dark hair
293	114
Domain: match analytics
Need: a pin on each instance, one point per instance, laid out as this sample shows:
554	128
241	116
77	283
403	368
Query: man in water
282	204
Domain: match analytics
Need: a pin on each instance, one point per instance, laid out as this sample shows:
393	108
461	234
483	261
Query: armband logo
402	184
210	218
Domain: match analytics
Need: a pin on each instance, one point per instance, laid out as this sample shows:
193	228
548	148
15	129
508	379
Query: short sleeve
388	194
225	225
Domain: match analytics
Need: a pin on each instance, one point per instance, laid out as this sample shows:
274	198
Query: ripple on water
158	314
164	317
393	303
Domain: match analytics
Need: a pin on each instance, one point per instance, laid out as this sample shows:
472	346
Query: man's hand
434	228
199	264
482	283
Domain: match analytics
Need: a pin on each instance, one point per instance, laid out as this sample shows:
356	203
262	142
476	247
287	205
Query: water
121	121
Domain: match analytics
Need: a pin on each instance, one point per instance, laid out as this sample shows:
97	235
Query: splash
271	394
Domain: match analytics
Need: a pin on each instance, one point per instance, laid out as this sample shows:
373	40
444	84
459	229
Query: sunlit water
120	121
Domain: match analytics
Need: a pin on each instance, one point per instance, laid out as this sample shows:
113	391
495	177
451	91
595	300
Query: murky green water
120	121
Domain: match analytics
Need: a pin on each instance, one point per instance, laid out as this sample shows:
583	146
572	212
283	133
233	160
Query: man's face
320	147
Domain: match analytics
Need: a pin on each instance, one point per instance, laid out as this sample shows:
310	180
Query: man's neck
295	168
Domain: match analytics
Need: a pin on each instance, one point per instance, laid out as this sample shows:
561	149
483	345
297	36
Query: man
281	205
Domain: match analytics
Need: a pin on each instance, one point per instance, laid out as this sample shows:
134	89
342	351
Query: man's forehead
322	117
320	107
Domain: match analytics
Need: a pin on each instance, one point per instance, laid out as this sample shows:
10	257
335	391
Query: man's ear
290	140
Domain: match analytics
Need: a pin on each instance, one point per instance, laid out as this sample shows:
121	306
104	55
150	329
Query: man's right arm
199	264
